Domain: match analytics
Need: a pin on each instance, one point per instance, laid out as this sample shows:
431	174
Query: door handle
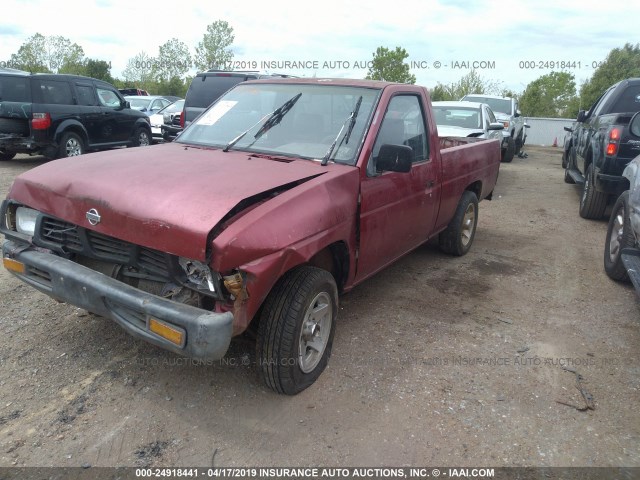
430	183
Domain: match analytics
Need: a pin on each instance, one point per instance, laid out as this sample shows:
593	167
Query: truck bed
464	160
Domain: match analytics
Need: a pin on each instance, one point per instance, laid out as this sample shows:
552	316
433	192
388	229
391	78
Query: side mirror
634	125
395	158
568	129
581	116
496	126
518	113
126	104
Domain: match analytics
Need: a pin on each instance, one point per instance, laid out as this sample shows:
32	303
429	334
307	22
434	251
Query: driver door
397	210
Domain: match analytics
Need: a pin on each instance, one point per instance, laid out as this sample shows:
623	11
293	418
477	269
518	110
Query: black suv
64	115
208	86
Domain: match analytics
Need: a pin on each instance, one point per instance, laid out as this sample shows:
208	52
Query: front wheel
509	152
296	329
458	236
141	137
619	237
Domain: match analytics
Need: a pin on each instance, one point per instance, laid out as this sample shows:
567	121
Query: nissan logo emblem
93	216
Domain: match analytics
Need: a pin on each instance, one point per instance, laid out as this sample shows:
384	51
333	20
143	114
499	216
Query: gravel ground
437	361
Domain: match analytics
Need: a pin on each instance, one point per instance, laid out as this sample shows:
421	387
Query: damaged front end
171	301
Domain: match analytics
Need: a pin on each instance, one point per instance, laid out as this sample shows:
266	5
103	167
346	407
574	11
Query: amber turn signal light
167	332
13	265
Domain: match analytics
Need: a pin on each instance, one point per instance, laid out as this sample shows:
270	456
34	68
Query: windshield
139	103
458	117
174	107
307	129
501	105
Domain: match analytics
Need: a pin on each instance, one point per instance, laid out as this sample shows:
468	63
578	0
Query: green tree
173	60
388	65
213	51
468	84
98	69
552	95
47	54
139	71
174	86
620	63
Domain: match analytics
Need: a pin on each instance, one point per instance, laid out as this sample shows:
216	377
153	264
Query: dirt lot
437	361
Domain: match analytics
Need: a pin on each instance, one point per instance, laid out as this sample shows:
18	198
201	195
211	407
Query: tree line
552	95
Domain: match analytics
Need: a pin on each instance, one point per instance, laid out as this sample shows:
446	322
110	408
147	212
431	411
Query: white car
164	116
466	119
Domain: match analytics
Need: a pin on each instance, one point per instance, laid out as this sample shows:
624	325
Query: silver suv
508	113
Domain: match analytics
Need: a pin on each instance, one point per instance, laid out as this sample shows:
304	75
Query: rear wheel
4	156
592	202
619	237
458	236
296	329
70	145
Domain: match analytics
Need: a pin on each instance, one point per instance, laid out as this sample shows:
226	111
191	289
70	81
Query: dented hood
167	197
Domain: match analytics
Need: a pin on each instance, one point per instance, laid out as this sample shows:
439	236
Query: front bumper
207	334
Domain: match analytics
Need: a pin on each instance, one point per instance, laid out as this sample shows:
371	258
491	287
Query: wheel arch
475	187
71	126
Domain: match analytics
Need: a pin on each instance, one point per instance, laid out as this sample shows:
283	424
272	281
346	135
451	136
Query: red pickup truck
280	196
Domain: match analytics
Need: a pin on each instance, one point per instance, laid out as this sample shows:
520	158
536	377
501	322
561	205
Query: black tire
14	125
619	236
71	145
592	202
509	152
141	137
458	237
5	156
285	321
565	159
519	143
568	178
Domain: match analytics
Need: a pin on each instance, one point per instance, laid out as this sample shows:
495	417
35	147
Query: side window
597	108
403	124
108	98
56	92
491	116
86	95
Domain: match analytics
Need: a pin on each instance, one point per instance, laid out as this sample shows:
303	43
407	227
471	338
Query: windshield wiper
272	120
352	121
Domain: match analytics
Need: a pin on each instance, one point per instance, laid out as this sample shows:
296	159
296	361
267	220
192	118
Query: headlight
198	274
26	220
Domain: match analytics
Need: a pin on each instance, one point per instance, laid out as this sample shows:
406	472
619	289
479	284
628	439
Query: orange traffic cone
555	142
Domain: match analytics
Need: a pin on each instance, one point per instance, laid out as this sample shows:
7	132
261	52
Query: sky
509	42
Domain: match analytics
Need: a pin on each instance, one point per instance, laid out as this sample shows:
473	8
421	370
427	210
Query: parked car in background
279	197
165	115
508	112
65	115
133	92
206	87
466	119
171	130
601	147
622	245
148	104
